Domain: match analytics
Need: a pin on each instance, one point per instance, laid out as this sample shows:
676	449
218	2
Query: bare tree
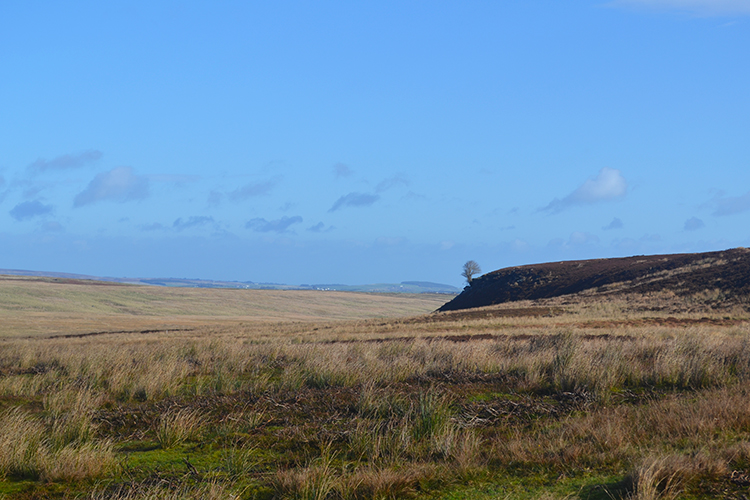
470	269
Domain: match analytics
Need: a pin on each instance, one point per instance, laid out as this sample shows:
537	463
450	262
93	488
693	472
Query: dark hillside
683	274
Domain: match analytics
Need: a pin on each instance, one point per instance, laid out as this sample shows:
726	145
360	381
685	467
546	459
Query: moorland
132	392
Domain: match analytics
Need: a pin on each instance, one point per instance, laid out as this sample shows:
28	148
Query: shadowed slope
684	274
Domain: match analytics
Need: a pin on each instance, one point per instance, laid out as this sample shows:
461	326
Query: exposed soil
114	332
725	273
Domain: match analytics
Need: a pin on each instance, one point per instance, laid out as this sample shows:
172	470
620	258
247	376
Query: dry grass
206	491
385	408
29	450
37	307
178	425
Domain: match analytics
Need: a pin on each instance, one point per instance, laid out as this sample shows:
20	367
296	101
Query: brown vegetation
723	277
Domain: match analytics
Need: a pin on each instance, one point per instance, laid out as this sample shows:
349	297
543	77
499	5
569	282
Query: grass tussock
29	450
208	491
178	425
665	477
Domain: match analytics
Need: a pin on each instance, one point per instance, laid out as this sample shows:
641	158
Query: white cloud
119	184
582	238
609	184
577	240
693	7
447	244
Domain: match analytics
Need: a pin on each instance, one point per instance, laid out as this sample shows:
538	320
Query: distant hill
403	287
683	274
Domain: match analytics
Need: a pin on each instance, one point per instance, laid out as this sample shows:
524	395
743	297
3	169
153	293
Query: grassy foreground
530	400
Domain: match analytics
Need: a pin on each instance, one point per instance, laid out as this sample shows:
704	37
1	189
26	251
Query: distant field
32	306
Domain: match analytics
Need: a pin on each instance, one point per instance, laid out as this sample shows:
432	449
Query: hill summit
727	271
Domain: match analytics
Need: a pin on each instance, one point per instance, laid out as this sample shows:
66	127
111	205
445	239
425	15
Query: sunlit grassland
39	306
640	397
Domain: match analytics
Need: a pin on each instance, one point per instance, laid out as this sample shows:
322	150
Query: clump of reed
209	490
28	451
177	425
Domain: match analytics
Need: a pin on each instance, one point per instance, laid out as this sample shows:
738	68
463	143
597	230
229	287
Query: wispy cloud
354	200
391	182
342	170
30	209
320	228
608	184
693	224
731	205
64	162
282	225
194	221
253	189
119	184
693	7
615	224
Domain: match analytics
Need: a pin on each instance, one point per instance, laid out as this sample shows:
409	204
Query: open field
639	397
52	306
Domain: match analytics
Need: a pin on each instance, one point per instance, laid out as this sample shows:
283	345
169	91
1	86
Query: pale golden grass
37	307
28	450
621	434
313	482
559	358
76	462
178	425
321	480
22	450
69	415
209	490
664	477
381	483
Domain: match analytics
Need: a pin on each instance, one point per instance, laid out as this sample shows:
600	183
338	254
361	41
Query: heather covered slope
727	272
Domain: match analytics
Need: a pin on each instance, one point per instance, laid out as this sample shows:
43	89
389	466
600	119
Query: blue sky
361	142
